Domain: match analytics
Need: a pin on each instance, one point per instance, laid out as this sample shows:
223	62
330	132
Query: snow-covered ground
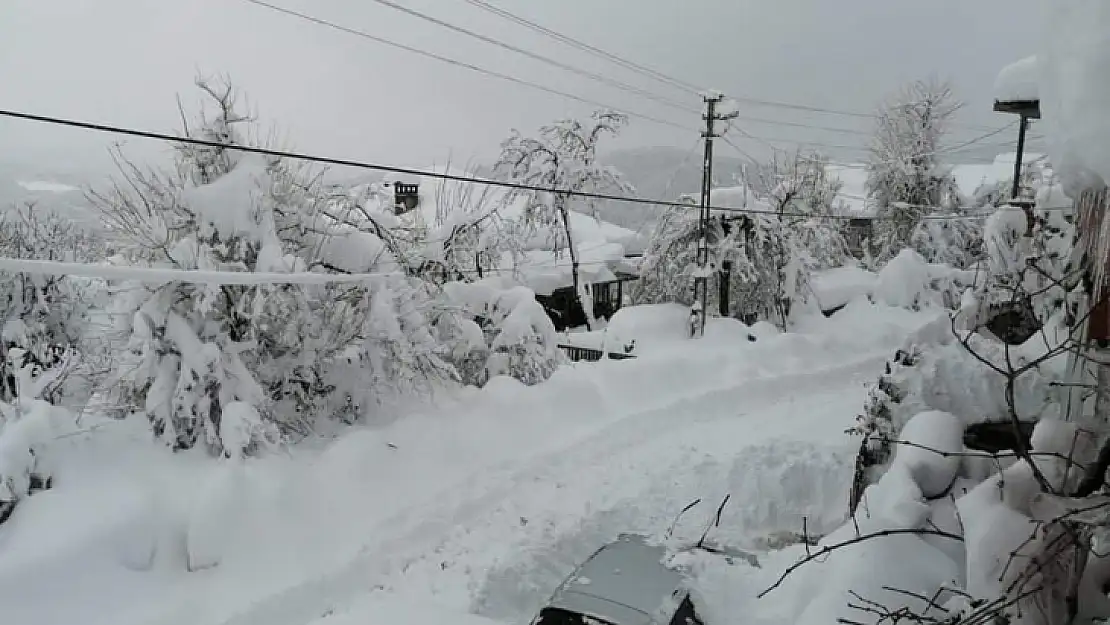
480	504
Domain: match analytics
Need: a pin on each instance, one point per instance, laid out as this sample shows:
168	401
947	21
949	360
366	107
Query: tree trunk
564	214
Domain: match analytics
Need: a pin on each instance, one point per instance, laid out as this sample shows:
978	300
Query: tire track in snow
428	526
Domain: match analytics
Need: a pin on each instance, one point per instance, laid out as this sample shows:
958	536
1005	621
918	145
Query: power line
664	78
539	57
636	67
462	64
557	92
158	136
947	150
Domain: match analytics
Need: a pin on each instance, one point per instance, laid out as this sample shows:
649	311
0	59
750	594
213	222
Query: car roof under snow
624	582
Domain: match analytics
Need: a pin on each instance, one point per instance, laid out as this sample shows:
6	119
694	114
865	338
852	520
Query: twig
830	548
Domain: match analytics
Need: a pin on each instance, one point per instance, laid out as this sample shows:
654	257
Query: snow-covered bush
28	424
937	371
908	281
492	330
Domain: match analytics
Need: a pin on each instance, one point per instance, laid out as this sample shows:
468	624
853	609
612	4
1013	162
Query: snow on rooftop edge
1018	82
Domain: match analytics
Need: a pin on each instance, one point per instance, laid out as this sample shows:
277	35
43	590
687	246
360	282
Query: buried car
623	583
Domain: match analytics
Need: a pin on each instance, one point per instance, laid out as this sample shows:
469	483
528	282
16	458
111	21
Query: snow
167	274
398	611
908	281
1074	61
658	329
971	177
1018	82
46	186
544	271
836	287
929	446
481	502
739	196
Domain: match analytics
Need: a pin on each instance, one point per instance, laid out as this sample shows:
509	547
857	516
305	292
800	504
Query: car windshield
556	616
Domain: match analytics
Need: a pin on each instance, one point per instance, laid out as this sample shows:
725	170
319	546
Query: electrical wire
539	57
947	150
462	64
158	136
671	80
623	62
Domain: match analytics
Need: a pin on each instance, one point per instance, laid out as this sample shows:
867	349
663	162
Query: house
442	212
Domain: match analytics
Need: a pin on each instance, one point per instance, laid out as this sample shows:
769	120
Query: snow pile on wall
1074	63
1018	82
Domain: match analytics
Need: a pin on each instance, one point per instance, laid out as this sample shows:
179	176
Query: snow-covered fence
589	354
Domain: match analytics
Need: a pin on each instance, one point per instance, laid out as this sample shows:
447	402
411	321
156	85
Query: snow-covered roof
544	271
1018	82
445	204
971	177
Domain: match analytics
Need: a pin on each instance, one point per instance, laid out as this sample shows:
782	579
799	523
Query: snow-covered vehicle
623	583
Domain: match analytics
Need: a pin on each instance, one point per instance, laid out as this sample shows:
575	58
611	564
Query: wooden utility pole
701	278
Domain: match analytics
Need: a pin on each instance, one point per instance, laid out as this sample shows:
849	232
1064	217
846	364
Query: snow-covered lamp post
1016	93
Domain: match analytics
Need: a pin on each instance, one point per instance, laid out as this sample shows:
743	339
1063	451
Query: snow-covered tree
768	278
564	157
905	174
457	243
43	317
291	353
955	240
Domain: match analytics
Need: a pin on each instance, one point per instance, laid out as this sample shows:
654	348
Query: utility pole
701	277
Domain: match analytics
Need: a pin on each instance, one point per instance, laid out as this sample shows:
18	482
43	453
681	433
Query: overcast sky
124	61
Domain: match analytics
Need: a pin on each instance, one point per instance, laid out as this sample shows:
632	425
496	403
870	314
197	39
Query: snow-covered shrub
28	424
908	281
769	275
935	371
492	330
